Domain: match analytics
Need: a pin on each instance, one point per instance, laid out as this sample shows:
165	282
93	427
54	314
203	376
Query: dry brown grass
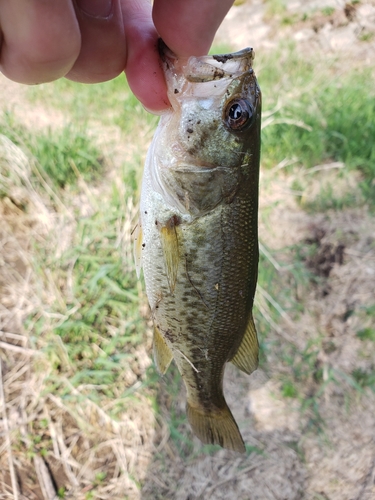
51	441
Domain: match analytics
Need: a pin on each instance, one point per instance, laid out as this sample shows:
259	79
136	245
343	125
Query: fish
197	236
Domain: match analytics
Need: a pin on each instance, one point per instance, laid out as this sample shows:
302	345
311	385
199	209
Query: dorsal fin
246	357
162	354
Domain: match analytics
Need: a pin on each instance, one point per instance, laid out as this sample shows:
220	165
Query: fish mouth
206	68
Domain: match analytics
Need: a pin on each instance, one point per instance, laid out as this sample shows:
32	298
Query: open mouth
207	68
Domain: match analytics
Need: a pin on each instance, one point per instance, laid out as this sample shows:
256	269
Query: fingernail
96	8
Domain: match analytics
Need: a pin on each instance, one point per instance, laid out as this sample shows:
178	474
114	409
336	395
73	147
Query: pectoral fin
169	241
246	358
138	240
162	353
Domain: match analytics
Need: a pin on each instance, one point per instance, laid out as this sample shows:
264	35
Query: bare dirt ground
290	461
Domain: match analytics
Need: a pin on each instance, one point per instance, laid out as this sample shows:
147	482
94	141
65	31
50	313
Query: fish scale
197	237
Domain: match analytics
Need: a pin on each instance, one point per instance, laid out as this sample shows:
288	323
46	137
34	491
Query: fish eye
238	114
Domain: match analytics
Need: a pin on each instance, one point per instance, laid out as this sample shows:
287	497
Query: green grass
366	334
274	8
365	378
61	156
100	324
223	48
366	37
179	430
318	118
92	343
328	11
109	103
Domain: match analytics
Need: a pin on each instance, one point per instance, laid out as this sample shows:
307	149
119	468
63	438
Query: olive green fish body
198	240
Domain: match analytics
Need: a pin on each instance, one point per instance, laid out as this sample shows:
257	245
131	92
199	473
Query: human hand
92	41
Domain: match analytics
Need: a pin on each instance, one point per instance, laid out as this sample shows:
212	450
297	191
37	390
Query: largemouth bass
197	238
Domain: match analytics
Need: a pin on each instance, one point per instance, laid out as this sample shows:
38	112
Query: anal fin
246	357
162	354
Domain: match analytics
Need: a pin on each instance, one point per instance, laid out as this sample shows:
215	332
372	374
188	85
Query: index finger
188	27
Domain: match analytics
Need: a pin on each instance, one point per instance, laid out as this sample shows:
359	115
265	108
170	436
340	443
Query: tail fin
217	427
